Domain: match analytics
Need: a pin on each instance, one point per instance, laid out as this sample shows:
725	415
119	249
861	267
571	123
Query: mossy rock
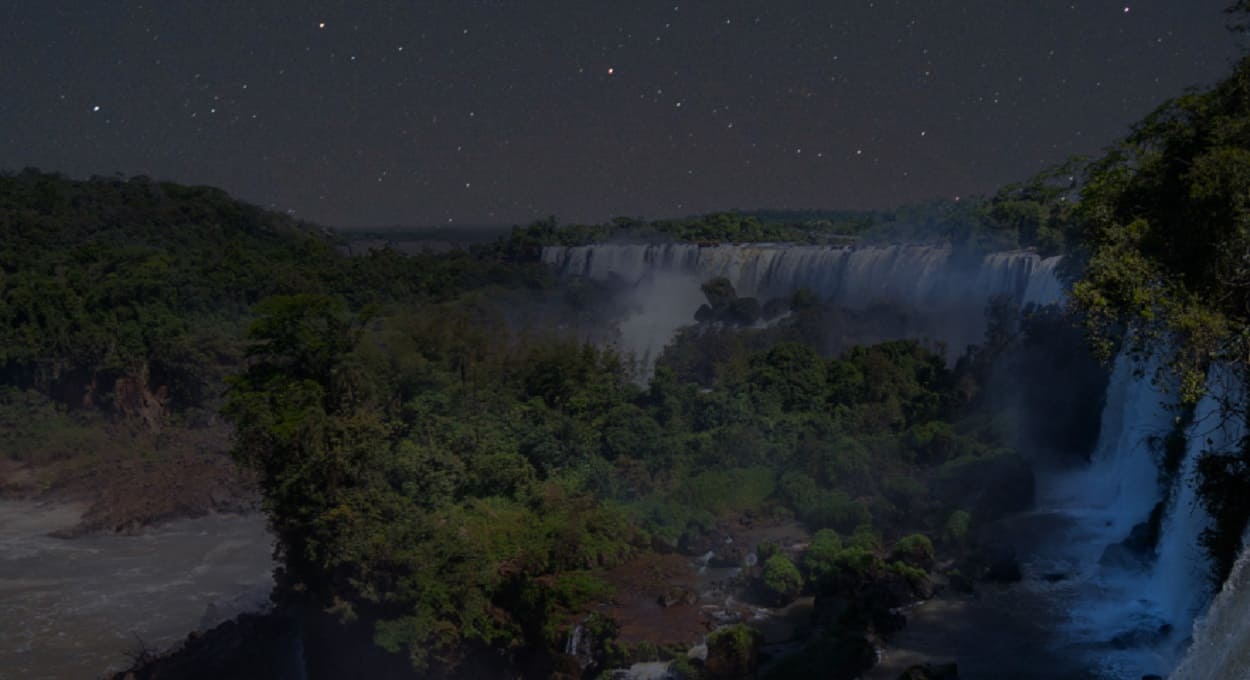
733	652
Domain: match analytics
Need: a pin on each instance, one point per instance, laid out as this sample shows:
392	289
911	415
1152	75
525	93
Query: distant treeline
1033	214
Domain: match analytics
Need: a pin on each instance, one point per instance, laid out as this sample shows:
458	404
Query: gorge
1117	557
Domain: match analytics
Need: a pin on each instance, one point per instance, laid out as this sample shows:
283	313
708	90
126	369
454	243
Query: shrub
782	579
733	652
821	557
865	538
957	525
916	550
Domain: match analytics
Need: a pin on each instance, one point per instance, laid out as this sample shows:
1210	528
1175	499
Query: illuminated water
74	608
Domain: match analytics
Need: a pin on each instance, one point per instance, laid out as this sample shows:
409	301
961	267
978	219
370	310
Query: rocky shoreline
140	479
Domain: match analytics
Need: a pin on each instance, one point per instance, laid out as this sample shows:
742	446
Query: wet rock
1135	552
1120	556
945	671
1141	637
729	555
1143	538
696	545
724	617
678	595
1004	566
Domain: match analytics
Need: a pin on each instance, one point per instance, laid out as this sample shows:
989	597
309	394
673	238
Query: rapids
74	608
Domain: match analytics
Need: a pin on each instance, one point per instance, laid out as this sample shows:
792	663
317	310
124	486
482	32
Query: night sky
359	112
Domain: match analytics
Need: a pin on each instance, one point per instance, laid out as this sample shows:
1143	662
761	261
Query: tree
301	422
781	578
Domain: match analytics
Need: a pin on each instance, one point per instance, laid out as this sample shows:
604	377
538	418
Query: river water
75	608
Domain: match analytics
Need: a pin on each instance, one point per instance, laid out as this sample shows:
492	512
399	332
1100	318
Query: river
75	608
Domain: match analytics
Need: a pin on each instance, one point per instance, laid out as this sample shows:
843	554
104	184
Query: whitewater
1125	615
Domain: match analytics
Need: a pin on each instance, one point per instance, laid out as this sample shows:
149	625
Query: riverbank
131	478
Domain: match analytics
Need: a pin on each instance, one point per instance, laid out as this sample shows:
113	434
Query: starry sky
410	112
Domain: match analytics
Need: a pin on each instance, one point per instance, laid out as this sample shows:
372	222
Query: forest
457	475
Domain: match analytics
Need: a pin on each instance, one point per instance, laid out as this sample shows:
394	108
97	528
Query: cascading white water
943	292
1101	503
1134	618
1119	487
1130	615
573	646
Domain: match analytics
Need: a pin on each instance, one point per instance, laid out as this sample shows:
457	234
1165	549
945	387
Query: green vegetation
1163	225
782	579
151	283
916	550
1029	214
733	652
443	471
461	489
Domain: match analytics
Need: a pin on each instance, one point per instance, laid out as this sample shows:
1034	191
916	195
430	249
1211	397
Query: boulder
678	595
729	555
695	544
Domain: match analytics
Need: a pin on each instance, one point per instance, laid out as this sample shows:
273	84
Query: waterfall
1133	613
942	292
574	644
1221	646
1131	589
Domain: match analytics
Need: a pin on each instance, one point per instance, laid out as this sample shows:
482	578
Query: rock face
947	671
251	647
678	595
134	397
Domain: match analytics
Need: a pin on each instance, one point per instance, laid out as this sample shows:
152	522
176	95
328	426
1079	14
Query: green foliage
865	538
730	491
782	580
1223	477
1164	222
37	431
733	652
107	279
820	560
460	485
836	653
957	526
915	550
434	463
